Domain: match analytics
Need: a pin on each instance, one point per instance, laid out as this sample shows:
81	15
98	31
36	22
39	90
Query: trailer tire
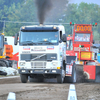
24	78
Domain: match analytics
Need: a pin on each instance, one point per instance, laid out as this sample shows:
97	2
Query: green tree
24	12
21	11
83	14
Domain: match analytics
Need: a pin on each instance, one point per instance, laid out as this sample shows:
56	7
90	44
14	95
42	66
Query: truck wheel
3	64
60	78
24	78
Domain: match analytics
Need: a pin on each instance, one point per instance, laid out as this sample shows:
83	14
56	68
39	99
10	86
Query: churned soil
48	90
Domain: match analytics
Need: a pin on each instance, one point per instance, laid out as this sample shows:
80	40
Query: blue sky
86	1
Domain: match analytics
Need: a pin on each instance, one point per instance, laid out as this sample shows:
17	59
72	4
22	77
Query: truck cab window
47	38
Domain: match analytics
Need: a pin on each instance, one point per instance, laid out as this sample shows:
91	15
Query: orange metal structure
9	51
80	45
82	39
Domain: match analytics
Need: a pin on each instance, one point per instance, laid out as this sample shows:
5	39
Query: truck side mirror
16	39
64	37
60	35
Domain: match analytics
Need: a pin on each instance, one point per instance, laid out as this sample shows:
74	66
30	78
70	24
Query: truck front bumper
40	71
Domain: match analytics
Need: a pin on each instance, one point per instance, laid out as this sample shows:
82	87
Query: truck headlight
22	64
55	63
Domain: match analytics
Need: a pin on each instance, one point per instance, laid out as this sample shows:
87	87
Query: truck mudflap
70	62
40	71
70	76
69	70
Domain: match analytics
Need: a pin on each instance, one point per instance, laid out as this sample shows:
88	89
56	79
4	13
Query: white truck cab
42	52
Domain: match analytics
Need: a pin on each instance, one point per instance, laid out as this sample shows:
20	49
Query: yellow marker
58	67
18	67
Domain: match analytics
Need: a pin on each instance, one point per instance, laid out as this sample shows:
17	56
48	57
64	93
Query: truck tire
71	79
24	78
3	64
60	78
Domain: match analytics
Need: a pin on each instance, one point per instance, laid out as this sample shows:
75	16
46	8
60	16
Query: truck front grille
36	64
38	57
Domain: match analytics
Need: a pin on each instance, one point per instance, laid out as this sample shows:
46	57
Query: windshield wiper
46	42
28	43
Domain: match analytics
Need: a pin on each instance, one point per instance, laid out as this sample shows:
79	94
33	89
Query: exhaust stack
43	6
41	24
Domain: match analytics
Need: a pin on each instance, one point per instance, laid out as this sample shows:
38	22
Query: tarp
9	70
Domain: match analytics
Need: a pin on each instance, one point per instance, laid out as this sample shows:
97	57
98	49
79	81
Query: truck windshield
39	38
82	37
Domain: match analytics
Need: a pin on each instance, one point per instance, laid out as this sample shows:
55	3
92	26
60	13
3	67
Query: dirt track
47	90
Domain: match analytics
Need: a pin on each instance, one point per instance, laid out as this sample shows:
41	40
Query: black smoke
43	7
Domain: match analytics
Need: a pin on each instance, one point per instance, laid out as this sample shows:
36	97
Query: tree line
17	13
